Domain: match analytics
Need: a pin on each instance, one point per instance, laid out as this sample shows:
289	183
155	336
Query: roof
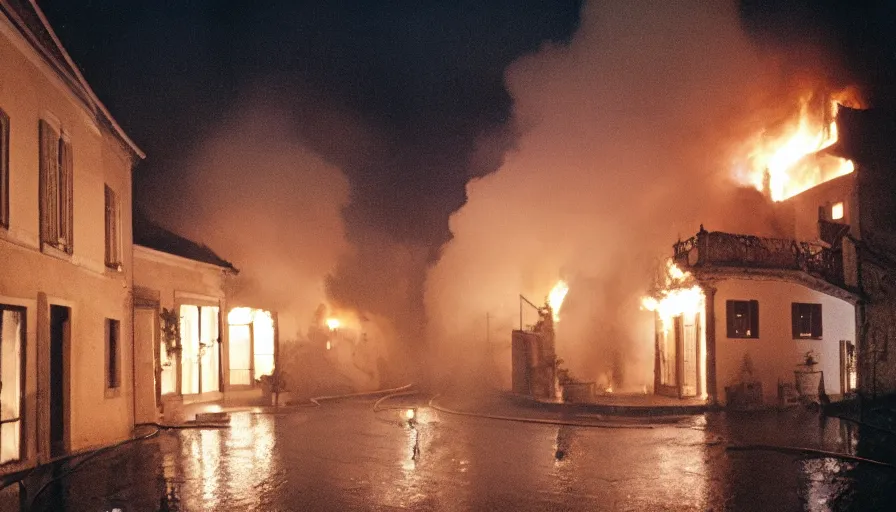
31	23
149	234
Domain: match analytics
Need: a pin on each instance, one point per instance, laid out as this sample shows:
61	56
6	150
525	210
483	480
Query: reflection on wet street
346	457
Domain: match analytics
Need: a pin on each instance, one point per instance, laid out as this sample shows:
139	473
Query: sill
54	251
113	392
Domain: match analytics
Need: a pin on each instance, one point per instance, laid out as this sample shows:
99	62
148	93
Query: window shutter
795	320
4	169
729	318
108	223
754	318
66	194
49	177
816	320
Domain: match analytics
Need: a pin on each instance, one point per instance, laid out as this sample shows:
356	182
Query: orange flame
677	298
555	298
794	162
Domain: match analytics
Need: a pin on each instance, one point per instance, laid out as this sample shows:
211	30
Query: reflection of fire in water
675	299
792	162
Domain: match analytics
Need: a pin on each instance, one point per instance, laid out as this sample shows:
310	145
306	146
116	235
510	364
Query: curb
648	411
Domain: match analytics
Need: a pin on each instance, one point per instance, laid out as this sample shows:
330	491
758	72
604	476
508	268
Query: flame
676	299
333	323
792	163
555	298
240	316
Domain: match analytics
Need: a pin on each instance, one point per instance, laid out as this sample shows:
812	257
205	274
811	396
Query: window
4	169
12	337
113	349
56	206
113	230
837	211
806	320
743	318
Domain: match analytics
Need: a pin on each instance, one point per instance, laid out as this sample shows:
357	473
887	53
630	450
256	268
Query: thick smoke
631	135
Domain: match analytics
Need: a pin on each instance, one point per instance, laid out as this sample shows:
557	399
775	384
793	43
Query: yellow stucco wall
181	281
29	92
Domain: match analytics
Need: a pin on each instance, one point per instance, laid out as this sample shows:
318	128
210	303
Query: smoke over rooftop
630	137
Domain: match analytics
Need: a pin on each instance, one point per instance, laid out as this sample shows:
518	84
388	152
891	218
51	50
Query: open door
689	335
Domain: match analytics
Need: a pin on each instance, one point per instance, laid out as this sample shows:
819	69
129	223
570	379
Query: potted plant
808	379
272	385
170	332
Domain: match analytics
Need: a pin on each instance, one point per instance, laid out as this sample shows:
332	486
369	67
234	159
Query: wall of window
200	352
12	337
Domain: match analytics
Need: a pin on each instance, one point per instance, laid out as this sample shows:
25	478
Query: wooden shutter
754	318
795	320
729	318
49	183
4	169
66	194
816	320
113	256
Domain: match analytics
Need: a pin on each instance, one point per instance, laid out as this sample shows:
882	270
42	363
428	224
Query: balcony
718	249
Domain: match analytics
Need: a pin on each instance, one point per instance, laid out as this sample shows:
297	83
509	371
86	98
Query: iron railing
735	250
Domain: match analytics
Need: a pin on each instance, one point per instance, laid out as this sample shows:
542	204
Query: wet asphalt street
344	456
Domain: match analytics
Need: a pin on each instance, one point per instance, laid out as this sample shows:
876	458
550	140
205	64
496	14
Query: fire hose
810	452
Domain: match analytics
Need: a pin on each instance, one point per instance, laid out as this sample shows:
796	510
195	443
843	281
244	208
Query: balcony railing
733	250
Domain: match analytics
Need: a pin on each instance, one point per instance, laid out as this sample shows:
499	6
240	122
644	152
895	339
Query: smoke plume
630	138
255	193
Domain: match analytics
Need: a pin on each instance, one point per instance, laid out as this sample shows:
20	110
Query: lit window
837	211
806	320
743	318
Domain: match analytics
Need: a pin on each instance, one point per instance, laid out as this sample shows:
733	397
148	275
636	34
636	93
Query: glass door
12	336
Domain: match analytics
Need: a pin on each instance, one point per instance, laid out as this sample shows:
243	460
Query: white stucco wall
775	354
29	92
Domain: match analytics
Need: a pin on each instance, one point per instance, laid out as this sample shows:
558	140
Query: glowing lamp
333	323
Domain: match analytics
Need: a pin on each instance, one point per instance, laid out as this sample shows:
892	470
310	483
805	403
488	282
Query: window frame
816	318
752	320
113	357
22	391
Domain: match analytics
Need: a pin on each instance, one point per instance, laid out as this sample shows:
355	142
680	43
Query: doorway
679	354
147	389
60	334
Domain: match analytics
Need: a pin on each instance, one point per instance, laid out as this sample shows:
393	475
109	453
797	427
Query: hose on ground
88	456
811	452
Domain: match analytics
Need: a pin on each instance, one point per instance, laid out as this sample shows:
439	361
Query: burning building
190	343
738	314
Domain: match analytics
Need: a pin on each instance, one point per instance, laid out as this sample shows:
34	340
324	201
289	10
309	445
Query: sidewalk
638	405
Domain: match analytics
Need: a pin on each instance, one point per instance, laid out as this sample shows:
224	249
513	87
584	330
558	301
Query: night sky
426	76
